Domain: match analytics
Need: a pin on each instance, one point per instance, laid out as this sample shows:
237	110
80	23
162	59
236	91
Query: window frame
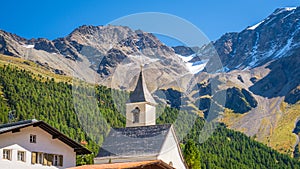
24	156
61	160
40	158
47	159
55	160
32	138
50	159
33	157
7	156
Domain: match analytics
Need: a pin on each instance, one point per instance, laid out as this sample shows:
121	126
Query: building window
39	158
47	159
50	159
21	156
61	159
136	115
32	138
33	157
6	154
56	160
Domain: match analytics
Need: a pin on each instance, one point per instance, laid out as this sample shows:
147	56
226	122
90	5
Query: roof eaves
79	149
17	126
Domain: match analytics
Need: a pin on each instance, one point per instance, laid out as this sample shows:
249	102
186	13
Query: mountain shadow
283	79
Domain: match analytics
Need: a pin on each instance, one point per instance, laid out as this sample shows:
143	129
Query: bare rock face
293	96
10	44
44	44
173	97
275	37
183	50
284	77
240	101
111	60
110	48
100	49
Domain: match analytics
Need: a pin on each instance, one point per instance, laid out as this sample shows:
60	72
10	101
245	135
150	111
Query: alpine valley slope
264	59
260	79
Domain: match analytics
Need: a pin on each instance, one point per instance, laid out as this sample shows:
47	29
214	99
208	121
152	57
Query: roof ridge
18	123
167	124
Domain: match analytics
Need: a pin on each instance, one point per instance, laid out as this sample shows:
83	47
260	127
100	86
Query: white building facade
34	144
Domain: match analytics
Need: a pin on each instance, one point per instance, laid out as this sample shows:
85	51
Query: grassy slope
281	137
32	67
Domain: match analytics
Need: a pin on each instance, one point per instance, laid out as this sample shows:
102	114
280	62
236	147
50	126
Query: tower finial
141	66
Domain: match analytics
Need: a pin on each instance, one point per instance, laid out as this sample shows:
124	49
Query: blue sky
57	18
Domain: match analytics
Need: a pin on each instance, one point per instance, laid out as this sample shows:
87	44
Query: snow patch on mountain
255	26
285	9
28	46
193	67
144	60
186	58
290	8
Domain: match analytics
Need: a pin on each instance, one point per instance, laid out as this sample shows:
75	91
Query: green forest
33	96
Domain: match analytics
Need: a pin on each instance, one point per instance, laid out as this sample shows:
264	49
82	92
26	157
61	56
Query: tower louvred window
136	115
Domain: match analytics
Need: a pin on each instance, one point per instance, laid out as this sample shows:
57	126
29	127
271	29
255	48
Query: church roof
17	126
134	141
141	92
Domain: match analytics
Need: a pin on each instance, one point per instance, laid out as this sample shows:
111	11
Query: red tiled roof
157	164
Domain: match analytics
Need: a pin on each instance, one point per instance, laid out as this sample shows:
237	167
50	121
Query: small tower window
136	115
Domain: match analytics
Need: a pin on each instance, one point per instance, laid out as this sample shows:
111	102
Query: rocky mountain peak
272	38
101	37
98	49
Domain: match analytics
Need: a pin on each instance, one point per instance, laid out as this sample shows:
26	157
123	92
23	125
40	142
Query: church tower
140	108
141	140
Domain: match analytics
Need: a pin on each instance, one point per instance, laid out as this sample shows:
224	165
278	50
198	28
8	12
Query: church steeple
140	108
141	92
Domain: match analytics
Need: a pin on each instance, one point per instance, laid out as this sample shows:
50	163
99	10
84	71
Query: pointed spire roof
141	92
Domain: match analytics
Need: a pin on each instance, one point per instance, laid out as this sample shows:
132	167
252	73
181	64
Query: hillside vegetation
36	96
